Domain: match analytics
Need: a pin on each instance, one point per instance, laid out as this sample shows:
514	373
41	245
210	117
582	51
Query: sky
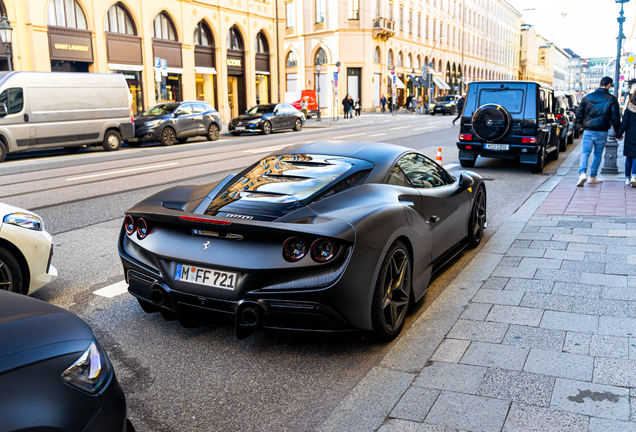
587	27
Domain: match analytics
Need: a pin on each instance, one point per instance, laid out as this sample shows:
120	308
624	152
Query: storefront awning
398	82
440	83
205	70
416	82
125	67
421	81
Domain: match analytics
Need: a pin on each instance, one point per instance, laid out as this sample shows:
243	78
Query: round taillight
322	250
294	249
142	229
129	223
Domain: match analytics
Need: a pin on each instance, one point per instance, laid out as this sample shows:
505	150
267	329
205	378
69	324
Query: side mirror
176	114
3	110
465	181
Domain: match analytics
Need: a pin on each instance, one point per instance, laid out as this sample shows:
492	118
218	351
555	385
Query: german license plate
504	147
240	128
205	276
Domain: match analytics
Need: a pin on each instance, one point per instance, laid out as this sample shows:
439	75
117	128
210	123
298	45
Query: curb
373	399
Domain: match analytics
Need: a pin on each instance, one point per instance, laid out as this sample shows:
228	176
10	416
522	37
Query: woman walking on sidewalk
628	127
358	107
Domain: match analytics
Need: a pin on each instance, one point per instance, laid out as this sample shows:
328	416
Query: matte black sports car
266	118
54	374
327	236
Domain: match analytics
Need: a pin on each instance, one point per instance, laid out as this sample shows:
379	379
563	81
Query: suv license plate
239	128
206	276
504	147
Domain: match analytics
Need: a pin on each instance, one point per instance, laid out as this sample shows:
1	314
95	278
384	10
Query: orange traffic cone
438	158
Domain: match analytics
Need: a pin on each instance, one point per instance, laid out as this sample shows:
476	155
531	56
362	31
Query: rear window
510	99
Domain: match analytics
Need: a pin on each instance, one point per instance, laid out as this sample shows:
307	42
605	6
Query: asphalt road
205	379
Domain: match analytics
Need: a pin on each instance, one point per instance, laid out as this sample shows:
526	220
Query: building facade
594	69
560	63
536	57
574	72
225	52
357	47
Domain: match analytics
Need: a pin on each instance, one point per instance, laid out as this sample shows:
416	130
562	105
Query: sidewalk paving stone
534	236
560	365
476	311
515	315
606	258
528	418
579	266
415	404
570	238
510	261
577	290
468	412
460	378
529	285
450	351
590	399
632	403
570	322
632	348
617	326
577	343
525	252
397	425
564	255
547	244
495	283
618	293
621	267
556	230
586	247
548	301
612	241
516	272
576	224
589	306
557	275
605	425
609	346
495	355
616	372
540	263
503	297
603	279
478	331
517	386
533	337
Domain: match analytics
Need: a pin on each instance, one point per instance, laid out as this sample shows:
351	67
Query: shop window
202	35
118	21
292	60
234	40
260	44
162	28
65	13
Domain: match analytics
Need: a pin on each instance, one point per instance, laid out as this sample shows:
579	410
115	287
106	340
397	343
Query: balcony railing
383	28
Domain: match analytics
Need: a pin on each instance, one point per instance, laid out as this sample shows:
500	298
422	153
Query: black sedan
176	121
328	236
266	118
444	105
54	374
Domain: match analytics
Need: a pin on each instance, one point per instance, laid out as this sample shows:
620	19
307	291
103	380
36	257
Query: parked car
55	109
54	374
329	236
266	118
510	120
444	105
176	121
574	101
565	119
26	250
294	98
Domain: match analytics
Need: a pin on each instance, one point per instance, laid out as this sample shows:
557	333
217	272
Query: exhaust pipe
250	316
158	296
248	320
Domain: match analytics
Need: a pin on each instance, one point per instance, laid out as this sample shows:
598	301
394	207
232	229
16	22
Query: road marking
113	290
436	122
422	128
122	171
347	136
384	121
451	166
265	149
402	127
377	135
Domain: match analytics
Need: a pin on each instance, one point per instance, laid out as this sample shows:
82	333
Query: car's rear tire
563	145
468	163
477	218
3	151
392	293
133	144
298	125
10	273
182	140
570	139
540	164
112	140
554	154
168	136
432	113
266	128
213	132
577	133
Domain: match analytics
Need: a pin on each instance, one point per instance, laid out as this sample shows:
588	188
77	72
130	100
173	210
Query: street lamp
317	82
619	40
6	37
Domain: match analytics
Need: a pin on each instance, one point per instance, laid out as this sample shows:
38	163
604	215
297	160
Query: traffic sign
164	64
157	63
424	70
631	59
621	77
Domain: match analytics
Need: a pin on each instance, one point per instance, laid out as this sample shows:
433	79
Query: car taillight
294	249
322	250
528	140
129	223
465	137
142	229
560	118
205	220
469	147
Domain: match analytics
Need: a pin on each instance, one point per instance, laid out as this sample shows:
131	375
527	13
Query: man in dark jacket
460	108
597	113
346	106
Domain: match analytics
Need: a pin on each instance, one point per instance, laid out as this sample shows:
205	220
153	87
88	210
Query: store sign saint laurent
68	47
234	62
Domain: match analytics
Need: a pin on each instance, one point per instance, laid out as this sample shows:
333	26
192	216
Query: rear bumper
524	153
127	131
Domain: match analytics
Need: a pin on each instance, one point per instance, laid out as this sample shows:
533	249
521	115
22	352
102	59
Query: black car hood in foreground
32	330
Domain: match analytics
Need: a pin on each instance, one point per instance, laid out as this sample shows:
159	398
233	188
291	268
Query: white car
26	250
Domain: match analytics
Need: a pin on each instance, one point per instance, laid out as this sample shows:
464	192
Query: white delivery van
56	109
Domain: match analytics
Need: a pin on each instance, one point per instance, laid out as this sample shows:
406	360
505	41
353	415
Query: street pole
621	20
317	82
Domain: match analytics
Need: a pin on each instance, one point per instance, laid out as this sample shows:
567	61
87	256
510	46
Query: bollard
611	154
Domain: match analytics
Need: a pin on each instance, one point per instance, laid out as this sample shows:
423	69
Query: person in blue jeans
628	127
597	113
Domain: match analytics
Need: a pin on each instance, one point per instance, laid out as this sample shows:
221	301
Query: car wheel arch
24	265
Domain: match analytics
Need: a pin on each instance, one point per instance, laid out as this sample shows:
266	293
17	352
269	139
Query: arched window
65	13
391	60
418	62
203	35
292	60
400	59
234	40
260	44
321	57
376	55
118	21
162	28
409	61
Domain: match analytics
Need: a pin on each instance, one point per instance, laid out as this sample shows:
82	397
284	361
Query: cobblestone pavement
538	332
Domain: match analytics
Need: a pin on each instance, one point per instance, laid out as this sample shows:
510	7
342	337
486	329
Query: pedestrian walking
414	104
345	107
598	111
303	106
350	107
390	103
358	107
628	127
383	103
460	108
407	105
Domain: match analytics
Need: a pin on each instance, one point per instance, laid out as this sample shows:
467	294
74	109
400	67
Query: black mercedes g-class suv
510	120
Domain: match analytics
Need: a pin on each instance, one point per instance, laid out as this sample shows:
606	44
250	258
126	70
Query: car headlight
255	121
24	220
153	123
90	371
